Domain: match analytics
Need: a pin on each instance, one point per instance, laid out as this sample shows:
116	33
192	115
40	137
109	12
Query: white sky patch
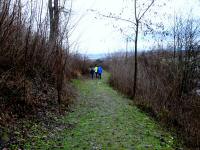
94	34
98	35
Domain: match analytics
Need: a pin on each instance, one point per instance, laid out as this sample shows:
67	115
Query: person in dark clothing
92	71
100	71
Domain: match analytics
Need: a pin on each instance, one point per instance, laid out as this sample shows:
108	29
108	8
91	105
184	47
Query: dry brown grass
162	90
34	73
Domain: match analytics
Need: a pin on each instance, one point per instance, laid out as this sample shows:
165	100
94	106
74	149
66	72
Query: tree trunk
175	31
53	38
136	62
54	20
174	44
51	35
126	56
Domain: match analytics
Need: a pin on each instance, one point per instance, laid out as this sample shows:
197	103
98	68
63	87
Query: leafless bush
32	69
160	89
168	81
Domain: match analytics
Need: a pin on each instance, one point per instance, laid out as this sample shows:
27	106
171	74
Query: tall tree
138	18
54	16
54	20
59	33
140	9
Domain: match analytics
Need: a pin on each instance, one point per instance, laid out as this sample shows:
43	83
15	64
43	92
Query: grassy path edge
101	118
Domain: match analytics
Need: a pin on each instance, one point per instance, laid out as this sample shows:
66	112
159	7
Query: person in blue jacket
100	71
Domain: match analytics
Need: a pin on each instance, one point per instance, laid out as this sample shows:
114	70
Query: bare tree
58	34
138	17
186	40
54	20
135	22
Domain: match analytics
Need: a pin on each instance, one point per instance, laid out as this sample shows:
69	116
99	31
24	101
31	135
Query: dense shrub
166	89
34	73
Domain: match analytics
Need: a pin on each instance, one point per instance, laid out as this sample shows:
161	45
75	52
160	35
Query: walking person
96	71
100	71
92	71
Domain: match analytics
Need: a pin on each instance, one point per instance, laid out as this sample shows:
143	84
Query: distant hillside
96	56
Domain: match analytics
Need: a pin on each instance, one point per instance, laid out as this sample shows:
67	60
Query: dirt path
101	118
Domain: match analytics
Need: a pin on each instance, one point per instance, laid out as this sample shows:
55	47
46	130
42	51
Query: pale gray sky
97	35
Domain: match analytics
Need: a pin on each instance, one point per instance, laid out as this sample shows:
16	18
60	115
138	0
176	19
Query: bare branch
114	17
152	2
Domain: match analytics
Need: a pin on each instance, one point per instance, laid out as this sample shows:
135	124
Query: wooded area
168	80
35	63
163	81
38	64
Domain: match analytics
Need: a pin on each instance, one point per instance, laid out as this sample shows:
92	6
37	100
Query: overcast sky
95	34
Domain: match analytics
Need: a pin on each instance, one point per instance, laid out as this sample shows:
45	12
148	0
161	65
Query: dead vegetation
166	89
34	71
168	79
